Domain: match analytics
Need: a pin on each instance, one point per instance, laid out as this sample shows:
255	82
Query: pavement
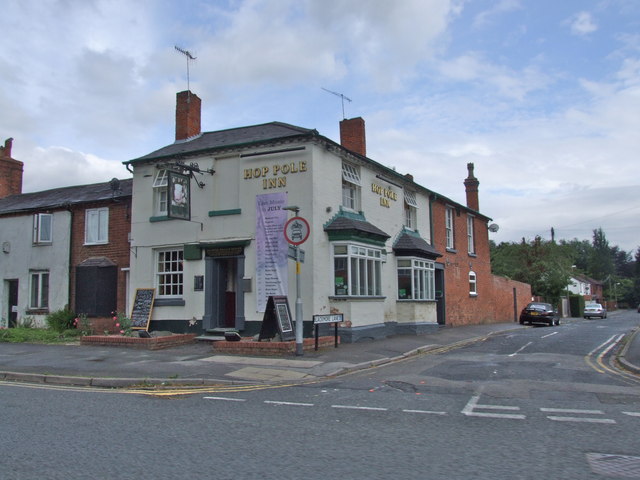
198	365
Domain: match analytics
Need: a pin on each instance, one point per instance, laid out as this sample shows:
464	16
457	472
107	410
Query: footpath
198	364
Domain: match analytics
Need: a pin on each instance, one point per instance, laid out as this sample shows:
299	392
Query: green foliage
123	324
546	266
60	320
36	335
576	304
601	256
82	323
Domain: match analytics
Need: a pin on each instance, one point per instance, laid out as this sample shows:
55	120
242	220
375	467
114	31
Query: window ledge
169	302
37	311
472	254
473	295
451	250
160	218
411	300
356	298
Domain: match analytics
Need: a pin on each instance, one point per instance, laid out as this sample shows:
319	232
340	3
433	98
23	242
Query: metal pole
299	324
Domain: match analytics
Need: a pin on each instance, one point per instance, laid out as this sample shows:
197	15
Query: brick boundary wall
253	348
153	343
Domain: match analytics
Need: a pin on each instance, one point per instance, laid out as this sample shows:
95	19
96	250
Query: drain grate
614	465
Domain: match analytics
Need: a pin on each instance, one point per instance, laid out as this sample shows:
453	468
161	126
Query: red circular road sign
296	230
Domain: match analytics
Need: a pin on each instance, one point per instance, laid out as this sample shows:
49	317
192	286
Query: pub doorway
224	297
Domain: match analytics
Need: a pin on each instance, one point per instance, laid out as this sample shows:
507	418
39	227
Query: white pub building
207	230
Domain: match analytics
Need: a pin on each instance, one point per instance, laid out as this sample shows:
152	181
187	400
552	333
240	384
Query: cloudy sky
543	96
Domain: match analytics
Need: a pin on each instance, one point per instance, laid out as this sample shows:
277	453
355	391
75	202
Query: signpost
334	318
296	231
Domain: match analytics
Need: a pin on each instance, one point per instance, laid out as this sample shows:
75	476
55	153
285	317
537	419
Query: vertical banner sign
179	196
271	248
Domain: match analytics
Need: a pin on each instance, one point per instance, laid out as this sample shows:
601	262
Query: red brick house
472	294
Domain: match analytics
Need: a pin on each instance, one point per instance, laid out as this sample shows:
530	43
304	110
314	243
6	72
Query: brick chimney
471	187
187	115
10	171
352	136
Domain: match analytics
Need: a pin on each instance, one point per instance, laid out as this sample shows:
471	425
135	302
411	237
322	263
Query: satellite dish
494	227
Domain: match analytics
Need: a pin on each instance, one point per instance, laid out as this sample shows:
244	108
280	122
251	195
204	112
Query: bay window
416	279
357	270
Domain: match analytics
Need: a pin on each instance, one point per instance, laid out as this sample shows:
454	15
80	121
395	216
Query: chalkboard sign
277	319
141	309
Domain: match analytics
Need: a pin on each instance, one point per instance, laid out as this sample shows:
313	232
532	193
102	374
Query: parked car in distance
537	312
594	310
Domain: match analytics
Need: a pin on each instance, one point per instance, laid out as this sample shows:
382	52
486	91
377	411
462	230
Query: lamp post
299	321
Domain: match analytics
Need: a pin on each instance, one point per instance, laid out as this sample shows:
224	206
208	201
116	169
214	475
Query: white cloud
487	17
582	23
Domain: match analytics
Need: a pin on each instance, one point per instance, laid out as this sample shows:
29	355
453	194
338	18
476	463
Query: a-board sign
141	309
277	319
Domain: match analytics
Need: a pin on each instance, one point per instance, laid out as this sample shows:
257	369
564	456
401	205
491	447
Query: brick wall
494	299
10	171
116	250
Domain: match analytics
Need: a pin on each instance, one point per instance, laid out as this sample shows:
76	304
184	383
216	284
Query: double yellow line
596	360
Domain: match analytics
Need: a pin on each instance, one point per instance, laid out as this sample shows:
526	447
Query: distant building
65	247
588	288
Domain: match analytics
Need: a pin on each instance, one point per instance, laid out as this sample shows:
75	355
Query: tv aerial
342	97
187	54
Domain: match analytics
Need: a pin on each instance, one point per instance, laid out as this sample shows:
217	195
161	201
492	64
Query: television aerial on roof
187	54
342	97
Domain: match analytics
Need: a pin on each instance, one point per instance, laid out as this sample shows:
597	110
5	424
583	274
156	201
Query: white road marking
520	349
556	418
549	335
600	346
295	404
581	419
472	404
226	399
425	411
572	410
632	414
354	407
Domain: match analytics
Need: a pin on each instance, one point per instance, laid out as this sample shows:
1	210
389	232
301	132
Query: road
539	402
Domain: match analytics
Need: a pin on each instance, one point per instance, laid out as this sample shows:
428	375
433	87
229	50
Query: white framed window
160	193
449	227
42	228
416	279
473	283
350	186
96	226
410	209
39	289
471	243
357	270
169	272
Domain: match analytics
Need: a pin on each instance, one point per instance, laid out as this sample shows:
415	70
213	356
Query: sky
543	96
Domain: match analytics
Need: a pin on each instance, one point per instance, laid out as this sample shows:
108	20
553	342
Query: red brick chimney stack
188	107
352	135
10	171
471	187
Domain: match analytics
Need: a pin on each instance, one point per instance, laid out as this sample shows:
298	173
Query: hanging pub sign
178	196
277	319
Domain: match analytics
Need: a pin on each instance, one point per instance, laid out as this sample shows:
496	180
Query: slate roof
353	223
59	197
409	242
233	137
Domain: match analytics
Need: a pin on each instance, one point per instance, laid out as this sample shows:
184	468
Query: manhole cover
614	465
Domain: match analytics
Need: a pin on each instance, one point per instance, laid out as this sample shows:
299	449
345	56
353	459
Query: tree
601	258
546	266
